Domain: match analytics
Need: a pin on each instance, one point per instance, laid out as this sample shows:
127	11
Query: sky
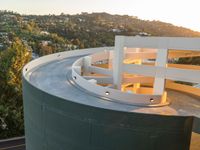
184	13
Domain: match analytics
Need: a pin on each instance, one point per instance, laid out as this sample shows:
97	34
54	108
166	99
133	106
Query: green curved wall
52	123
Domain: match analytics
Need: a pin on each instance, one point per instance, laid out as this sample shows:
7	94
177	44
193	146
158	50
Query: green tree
45	50
11	109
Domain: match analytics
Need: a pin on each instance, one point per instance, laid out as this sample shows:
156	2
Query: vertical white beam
77	69
110	60
159	82
87	61
118	57
138	62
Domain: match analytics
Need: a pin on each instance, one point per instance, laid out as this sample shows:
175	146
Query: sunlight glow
178	12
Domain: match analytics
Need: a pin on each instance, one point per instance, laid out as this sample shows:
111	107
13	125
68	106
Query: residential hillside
53	33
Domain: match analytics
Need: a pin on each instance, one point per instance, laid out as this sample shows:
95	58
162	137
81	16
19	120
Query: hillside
46	34
99	29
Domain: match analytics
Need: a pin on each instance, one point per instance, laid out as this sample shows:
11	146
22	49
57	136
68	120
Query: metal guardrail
17	143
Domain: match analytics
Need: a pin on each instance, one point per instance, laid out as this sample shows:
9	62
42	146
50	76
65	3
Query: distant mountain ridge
155	28
83	30
132	23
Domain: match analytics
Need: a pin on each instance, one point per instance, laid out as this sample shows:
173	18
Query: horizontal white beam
163	42
140	55
109	80
140	69
138	79
186	75
100	79
152	55
99	70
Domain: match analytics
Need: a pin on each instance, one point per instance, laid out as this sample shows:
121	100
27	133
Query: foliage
11	111
190	60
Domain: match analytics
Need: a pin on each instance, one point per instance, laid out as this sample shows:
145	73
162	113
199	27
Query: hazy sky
179	12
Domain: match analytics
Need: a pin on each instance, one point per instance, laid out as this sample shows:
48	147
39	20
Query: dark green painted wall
52	123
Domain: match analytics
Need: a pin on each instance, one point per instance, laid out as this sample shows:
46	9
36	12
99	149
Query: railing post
161	61
110	60
118	58
138	62
87	61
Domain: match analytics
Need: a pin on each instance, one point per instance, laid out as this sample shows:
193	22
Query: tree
76	42
45	50
190	60
11	109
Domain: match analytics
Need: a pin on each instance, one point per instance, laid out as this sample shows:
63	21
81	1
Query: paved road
19	143
13	144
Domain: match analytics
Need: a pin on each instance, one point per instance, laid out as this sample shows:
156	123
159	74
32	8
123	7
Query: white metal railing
137	48
109	93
